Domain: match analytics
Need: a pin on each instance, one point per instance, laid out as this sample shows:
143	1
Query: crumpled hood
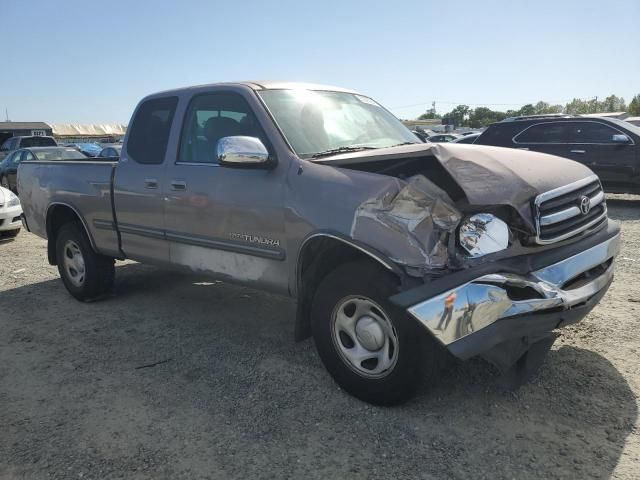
497	175
488	175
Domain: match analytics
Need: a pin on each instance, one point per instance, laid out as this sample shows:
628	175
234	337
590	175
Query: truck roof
264	85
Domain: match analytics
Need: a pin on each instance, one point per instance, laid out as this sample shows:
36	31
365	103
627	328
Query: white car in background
10	211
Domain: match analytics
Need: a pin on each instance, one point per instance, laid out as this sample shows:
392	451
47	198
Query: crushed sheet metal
490	175
410	222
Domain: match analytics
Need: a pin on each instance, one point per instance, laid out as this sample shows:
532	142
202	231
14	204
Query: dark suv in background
607	146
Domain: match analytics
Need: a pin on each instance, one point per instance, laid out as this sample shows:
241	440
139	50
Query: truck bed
84	185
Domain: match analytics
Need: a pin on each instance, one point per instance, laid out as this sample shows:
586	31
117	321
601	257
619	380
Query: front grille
560	213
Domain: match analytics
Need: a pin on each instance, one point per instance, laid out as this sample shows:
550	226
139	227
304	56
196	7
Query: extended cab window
211	117
150	130
548	132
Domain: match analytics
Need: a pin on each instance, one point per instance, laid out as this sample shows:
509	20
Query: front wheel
372	349
86	274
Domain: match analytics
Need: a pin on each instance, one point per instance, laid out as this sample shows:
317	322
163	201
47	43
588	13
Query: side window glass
211	117
18	157
150	130
28	157
544	133
591	132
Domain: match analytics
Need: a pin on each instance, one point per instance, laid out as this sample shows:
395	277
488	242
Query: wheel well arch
319	254
58	215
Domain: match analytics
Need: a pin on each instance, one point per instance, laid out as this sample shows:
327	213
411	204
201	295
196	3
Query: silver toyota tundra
399	253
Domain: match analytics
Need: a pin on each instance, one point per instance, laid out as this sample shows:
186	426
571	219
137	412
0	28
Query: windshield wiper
403	143
334	151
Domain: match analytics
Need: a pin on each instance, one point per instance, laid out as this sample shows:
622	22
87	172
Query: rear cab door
614	162
140	179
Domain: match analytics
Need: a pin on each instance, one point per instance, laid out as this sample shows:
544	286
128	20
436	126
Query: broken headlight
483	233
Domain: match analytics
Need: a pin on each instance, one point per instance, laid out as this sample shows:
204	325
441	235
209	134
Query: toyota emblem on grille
585	204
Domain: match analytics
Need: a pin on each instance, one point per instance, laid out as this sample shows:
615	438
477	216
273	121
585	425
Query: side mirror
241	151
620	138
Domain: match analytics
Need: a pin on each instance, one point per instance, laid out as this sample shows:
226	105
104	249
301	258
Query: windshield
319	121
47	154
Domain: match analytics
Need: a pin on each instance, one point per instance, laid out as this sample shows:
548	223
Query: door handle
150	183
178	185
578	151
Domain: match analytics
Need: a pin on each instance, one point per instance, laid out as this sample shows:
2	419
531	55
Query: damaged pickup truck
398	252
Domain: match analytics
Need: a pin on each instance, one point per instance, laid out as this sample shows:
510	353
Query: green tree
483	116
577	106
634	106
458	116
527	109
612	104
544	107
429	115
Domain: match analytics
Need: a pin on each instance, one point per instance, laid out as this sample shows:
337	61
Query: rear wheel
371	348
86	274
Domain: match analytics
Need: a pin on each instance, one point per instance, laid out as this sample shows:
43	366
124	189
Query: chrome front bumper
475	305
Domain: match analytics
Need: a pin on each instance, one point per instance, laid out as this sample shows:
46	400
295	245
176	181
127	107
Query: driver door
223	220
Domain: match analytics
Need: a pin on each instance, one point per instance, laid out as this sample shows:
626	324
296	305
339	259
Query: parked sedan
443	138
89	149
10	212
468	138
110	151
9	166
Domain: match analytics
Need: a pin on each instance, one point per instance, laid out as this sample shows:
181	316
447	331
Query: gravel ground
235	397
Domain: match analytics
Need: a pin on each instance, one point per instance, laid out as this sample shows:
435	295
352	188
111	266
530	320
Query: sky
80	61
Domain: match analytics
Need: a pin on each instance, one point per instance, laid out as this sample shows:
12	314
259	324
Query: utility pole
6	114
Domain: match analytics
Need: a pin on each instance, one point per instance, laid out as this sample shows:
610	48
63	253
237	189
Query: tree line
464	116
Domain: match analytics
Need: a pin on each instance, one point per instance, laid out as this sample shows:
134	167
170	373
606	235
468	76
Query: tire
353	298
86	274
4	182
10	233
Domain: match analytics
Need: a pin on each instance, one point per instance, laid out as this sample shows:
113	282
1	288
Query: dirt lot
237	398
